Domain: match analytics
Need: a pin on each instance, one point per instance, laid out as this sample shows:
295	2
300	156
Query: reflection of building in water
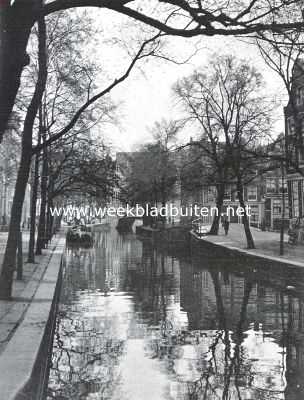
207	332
202	290
197	297
156	283
115	256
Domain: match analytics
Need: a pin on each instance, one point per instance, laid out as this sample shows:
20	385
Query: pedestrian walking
226	226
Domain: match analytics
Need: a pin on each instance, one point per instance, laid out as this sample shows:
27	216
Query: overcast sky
146	98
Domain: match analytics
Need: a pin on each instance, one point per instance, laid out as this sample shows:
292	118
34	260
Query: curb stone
250	253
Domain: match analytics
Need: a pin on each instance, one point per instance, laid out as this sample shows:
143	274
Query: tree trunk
249	238
219	300
50	221
19	257
219	203
9	261
31	250
41	237
50	218
16	22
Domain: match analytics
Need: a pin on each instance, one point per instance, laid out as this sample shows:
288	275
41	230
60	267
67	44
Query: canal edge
19	359
246	253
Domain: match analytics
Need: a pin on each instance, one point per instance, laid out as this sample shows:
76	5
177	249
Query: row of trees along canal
56	139
225	103
50	122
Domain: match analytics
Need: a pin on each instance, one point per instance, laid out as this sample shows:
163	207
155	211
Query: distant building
294	127
263	194
123	169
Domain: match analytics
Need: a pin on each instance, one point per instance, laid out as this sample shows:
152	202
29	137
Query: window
227	194
281	189
290	126
252	193
299	95
204	195
270	185
210	194
277	207
254	213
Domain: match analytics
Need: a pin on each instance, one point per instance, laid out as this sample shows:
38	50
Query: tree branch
93	99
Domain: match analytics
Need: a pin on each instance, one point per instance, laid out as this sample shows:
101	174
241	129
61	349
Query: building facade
294	128
264	196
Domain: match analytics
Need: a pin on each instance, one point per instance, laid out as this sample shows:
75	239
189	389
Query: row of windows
273	186
209	196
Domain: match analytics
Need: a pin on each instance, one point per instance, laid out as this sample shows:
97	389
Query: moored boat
79	235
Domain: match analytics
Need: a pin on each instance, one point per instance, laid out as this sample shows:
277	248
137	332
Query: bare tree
6	277
225	99
283	55
68	76
153	172
83	166
29	149
209	167
164	133
174	17
196	103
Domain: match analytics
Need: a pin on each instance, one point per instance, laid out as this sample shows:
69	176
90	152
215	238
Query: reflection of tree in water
220	374
293	344
205	353
229	374
84	360
209	374
233	375
154	286
223	370
78	272
85	351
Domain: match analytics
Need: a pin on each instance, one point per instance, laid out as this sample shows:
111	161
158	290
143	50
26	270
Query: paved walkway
12	312
26	329
267	244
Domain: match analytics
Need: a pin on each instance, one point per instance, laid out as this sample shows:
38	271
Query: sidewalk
267	244
24	323
12	312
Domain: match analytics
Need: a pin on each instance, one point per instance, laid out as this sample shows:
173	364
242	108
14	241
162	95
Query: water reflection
136	323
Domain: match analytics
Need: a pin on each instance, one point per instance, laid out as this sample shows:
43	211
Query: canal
137	322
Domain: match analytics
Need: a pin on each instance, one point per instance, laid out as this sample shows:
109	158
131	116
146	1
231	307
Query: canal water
138	322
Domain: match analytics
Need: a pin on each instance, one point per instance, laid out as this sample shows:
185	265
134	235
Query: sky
146	96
